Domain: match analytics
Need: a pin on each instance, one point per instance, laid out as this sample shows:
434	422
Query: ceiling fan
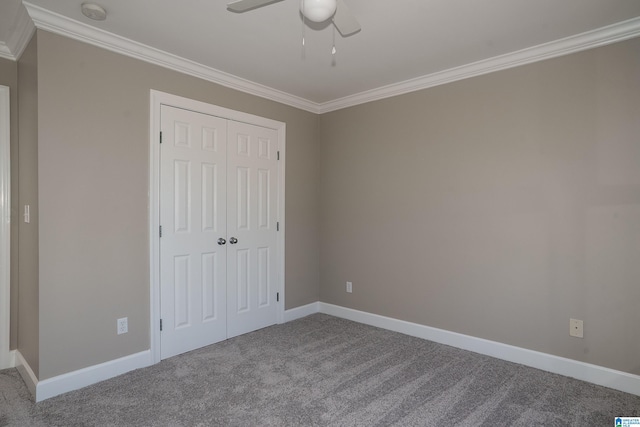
313	10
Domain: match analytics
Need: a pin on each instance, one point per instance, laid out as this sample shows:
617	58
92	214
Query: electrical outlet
576	328
349	287
123	326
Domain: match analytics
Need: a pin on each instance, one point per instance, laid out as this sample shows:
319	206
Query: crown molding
62	25
5	52
53	22
20	36
600	37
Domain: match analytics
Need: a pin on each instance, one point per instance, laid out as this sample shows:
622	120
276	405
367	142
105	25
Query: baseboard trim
26	373
302	311
599	375
93	374
595	374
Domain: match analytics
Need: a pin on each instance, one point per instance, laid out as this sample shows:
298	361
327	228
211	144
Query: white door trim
157	99
7	358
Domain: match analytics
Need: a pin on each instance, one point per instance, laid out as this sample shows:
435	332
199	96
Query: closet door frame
157	99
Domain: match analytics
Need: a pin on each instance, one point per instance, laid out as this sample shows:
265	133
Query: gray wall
9	77
93	187
28	299
498	206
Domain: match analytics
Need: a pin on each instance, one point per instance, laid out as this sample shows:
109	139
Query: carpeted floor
324	371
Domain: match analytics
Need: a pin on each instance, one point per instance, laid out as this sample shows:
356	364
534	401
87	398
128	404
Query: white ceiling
403	43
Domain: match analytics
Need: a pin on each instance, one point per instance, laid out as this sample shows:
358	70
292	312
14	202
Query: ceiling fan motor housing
318	10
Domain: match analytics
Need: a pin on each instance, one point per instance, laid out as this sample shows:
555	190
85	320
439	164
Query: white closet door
251	227
193	216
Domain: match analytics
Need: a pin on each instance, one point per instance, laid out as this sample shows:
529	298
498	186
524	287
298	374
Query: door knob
233	240
221	241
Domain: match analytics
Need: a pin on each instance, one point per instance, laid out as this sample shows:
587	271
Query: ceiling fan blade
344	21
244	5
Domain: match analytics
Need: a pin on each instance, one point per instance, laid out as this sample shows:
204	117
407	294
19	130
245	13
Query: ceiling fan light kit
313	10
318	10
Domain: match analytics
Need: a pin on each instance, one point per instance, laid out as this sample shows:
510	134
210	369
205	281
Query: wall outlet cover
576	328
123	325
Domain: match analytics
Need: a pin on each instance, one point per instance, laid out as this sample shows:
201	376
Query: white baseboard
93	374
51	387
26	373
595	374
302	311
611	378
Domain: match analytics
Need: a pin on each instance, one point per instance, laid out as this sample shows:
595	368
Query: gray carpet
324	371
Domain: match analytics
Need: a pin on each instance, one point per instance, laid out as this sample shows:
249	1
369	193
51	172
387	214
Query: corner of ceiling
58	24
591	39
50	21
21	33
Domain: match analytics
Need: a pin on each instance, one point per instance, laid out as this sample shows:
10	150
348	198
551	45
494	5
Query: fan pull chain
304	50
333	49
303	33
